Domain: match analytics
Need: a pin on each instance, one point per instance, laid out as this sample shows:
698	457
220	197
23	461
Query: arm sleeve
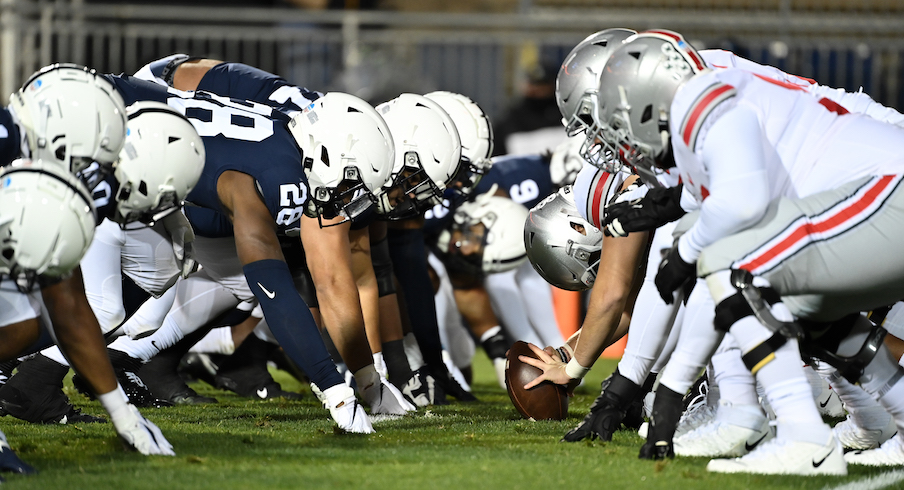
739	193
291	321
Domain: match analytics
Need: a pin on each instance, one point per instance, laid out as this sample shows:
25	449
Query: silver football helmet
476	134
160	163
427	155
566	162
578	79
486	235
347	154
46	222
71	116
635	97
562	246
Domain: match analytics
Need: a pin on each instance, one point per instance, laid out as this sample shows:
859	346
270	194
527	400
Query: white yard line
883	480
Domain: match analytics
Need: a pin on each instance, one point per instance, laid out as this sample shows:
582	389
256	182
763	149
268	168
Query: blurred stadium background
482	48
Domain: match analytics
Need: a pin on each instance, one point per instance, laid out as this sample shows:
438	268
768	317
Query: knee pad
379	256
824	341
755	301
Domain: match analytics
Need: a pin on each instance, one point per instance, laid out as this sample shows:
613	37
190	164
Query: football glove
659	206
182	236
345	410
675	273
139	433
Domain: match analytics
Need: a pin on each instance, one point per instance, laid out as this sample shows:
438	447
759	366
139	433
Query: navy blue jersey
249	83
239	135
525	178
209	223
9	138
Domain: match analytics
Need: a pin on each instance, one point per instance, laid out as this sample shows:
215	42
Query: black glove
674	273
661	205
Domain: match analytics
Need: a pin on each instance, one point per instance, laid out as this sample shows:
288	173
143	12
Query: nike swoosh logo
270	294
154	343
821	461
749	447
263	391
823	404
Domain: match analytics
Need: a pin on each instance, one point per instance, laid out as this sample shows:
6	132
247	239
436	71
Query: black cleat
126	368
35	394
245	372
164	381
657	450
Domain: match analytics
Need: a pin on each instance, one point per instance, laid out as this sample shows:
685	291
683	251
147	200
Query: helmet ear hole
324	156
8	254
143	188
60	153
647	114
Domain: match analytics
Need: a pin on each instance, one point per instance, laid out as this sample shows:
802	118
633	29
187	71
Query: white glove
182	236
384	398
141	434
138	432
344	408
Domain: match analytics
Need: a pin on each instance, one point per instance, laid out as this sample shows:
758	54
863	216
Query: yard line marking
882	480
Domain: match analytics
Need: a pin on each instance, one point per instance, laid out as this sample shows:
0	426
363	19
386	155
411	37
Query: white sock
217	341
148	347
380	364
413	351
733	379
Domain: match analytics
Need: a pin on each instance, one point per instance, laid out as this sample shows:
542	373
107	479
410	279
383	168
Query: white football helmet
486	235
46	222
566	162
160	163
71	116
562	246
476	134
578	79
635	96
347	153
427	155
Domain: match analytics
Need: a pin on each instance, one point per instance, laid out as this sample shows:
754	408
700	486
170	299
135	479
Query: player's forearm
78	333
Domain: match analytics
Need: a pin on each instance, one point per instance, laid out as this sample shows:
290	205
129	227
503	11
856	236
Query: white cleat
695	416
346	411
784	457
853	436
384	399
722	439
890	453
829	404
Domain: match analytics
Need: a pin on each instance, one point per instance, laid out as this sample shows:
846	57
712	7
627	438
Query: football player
141	223
68	118
760	156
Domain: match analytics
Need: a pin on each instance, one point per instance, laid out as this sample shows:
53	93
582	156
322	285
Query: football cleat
419	390
345	410
784	457
829	404
385	399
722	439
10	462
75	416
126	369
696	415
657	450
853	436
162	379
890	453
601	423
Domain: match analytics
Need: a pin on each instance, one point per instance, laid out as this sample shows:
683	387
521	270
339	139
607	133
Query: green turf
280	444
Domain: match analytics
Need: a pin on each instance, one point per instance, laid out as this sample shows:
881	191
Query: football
546	401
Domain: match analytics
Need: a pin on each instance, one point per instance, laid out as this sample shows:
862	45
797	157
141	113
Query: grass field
278	444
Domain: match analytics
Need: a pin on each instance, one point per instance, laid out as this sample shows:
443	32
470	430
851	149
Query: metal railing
378	54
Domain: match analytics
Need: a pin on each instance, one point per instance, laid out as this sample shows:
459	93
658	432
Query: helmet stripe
599	190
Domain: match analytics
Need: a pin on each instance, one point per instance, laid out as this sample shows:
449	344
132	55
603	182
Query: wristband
574	370
566	352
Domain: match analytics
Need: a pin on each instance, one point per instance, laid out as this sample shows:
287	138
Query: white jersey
857	102
742	139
